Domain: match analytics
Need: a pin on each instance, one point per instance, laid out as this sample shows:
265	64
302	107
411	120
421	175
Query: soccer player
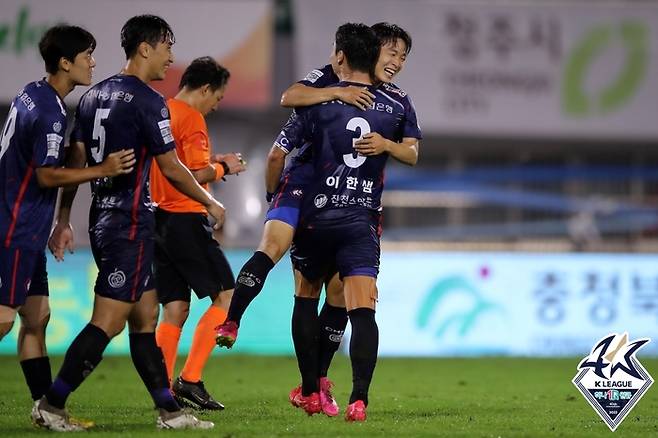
31	159
340	218
287	191
395	47
186	255
118	112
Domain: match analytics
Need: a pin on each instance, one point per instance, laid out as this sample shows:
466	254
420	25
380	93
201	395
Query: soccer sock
202	343
84	354
167	336
363	351
305	339
149	363
37	375
332	322
249	284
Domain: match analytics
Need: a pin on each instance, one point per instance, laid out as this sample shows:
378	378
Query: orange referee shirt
190	132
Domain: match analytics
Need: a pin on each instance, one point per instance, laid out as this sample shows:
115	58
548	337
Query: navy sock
363	351
82	357
250	282
37	375
150	365
305	339
332	322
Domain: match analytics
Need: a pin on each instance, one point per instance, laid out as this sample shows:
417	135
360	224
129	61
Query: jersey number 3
362	124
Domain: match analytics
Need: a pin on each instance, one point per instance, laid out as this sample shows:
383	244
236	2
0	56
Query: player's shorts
350	245
124	267
22	274
287	200
187	257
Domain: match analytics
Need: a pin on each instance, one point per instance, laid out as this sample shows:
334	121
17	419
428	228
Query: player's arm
373	143
298	95
116	163
276	161
292	135
220	165
182	179
61	236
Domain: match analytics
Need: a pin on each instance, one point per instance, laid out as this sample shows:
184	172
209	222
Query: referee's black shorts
188	258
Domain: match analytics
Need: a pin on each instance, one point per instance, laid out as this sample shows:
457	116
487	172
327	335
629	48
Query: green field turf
484	397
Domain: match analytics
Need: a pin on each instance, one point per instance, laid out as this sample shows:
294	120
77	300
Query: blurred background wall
529	225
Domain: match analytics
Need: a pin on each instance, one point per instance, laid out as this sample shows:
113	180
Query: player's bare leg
360	299
276	239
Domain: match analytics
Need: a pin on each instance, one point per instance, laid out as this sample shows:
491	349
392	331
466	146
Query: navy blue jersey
320	77
31	138
343	179
122	112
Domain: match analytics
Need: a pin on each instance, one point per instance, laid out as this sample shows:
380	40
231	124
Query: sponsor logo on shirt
53	142
320	200
313	76
165	131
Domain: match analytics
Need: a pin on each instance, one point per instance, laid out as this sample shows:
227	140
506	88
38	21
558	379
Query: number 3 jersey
122	112
342	179
32	137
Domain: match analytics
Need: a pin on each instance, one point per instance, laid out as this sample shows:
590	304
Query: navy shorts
124	267
22	274
187	257
349	245
287	200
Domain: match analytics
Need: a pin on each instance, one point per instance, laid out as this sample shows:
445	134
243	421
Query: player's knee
35	324
176	313
223	299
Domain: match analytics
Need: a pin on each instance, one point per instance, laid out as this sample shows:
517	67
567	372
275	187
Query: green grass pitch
480	397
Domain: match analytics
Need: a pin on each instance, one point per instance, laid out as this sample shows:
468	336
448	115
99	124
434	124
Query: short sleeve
48	139
411	129
294	132
196	150
320	78
156	126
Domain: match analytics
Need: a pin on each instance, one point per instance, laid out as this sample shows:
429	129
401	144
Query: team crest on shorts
612	379
116	279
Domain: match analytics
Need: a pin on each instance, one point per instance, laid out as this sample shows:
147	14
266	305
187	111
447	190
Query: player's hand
217	211
119	162
234	161
61	239
371	144
360	97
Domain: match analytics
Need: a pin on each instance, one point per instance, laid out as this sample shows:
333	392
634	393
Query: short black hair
389	33
202	71
64	41
359	44
145	28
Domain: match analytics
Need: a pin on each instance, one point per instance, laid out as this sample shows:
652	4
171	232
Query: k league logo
612	379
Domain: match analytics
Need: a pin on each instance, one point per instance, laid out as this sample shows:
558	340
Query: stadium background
527	228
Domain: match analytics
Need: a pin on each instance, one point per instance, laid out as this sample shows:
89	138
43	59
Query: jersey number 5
99	134
362	124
